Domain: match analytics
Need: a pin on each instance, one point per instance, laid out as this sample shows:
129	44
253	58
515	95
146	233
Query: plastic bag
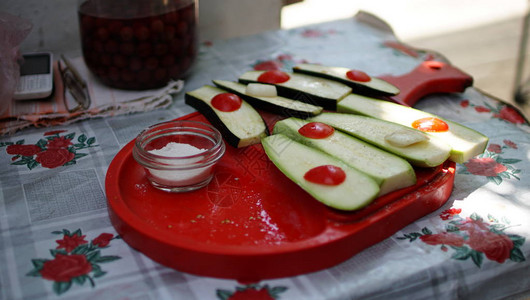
13	30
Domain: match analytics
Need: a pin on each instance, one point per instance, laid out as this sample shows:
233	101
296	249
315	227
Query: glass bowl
179	156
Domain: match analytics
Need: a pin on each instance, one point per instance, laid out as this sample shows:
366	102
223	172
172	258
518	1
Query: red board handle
429	77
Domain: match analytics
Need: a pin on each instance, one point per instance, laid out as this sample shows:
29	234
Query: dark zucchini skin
208	112
326	103
357	87
267	106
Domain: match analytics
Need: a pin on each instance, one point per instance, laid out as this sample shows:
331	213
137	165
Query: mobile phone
36	76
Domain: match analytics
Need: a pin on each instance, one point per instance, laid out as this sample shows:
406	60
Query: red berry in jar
106	59
127	48
102	34
120	61
126	33
160	49
160	73
141	33
169	33
144	49
115	27
168	60
127	76
157	26
151	63
111	46
182	29
136	64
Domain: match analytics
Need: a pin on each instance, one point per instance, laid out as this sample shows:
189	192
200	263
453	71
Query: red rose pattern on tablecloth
485	166
315	33
510	144
473	238
53	158
251	292
501	111
492	164
103	240
65	267
23	150
75	260
70	242
449	213
54	132
59	142
50	152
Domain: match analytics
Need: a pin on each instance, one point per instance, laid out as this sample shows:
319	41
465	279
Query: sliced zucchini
464	141
240	128
428	153
391	172
295	160
279	105
375	86
309	89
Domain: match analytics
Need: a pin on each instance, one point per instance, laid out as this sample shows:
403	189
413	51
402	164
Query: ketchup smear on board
326	175
316	130
273	76
226	102
357	75
430	124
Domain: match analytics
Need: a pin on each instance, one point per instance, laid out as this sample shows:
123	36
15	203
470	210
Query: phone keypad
33	82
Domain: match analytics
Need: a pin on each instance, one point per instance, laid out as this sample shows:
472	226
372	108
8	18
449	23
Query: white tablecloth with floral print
56	240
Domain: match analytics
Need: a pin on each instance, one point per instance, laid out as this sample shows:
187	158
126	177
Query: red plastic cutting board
429	77
251	222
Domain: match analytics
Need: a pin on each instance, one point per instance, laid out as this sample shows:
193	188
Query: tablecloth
97	101
57	242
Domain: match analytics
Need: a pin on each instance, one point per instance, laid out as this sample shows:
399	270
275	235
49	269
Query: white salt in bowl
179	156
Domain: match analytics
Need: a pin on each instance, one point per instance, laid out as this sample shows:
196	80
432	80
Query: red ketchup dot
273	76
326	175
357	75
430	124
316	130
226	102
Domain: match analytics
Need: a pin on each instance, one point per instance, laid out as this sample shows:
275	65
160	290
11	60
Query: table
57	242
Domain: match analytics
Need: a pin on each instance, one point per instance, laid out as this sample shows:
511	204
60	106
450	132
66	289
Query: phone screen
35	64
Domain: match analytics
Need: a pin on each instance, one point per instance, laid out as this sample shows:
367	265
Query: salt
173	149
187	176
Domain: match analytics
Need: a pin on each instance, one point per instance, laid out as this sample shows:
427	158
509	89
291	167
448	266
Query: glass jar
138	44
179	156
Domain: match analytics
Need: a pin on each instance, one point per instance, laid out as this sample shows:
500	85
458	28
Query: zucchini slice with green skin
240	128
430	152
464	141
309	89
374	87
295	160
390	171
278	105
